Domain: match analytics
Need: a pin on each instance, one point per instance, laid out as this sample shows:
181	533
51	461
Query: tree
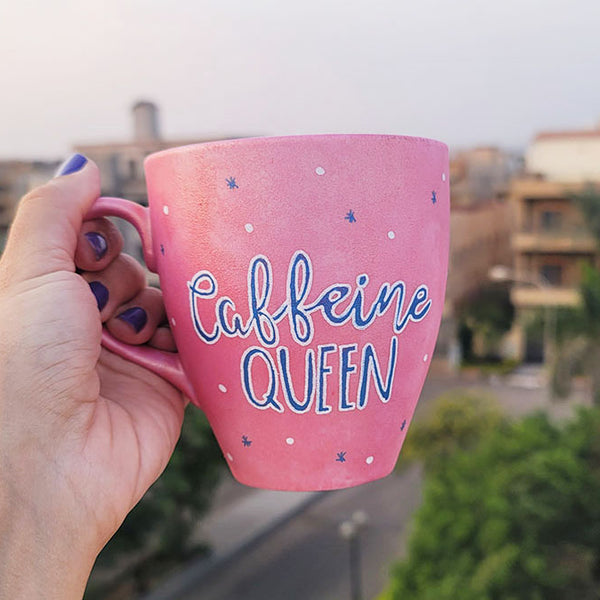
458	420
516	518
487	314
578	337
159	530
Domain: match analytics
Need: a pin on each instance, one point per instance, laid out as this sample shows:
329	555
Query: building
121	164
17	177
550	239
480	174
480	230
565	156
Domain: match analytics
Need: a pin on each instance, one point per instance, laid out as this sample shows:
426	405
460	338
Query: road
306	559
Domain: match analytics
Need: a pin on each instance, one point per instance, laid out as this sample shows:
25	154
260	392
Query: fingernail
98	243
101	292
135	316
74	163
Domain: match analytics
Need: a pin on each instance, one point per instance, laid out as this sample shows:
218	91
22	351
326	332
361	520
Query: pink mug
303	279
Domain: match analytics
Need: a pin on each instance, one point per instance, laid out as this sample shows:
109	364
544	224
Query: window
551	220
551	274
133	169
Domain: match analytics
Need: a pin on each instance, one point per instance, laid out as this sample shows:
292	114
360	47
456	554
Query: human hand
83	432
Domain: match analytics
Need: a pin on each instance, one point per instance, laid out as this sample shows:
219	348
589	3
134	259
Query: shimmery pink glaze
355	205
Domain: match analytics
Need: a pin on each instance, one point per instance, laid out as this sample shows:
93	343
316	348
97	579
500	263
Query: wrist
36	561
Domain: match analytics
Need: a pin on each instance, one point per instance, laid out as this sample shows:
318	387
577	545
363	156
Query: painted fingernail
74	163
101	292
98	243
135	316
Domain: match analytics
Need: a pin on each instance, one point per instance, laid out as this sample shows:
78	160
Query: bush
516	517
458	420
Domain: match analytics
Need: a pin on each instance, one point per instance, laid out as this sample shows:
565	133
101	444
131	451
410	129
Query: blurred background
493	495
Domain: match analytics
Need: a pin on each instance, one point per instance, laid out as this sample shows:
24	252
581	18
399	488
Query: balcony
524	296
563	241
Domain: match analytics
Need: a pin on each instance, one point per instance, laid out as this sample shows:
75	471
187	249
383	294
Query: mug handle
165	364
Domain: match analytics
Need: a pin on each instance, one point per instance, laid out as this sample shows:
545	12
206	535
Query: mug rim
249	141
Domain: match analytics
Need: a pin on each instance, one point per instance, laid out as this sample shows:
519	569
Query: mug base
316	485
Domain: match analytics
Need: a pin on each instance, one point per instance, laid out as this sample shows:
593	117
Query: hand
83	432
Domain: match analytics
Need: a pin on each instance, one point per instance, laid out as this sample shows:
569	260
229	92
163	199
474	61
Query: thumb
44	233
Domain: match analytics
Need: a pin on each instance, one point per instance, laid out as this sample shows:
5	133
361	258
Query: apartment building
550	239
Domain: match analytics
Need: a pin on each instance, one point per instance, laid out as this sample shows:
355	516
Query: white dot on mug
289	441
320	171
369	460
443	176
166	209
173	321
222	388
229	457
249	227
425	358
391	235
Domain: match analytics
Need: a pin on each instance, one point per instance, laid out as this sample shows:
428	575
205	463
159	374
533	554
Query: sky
467	72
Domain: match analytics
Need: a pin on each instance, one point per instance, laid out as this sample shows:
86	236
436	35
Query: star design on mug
231	184
247	443
350	217
403	425
162	249
433	197
341	457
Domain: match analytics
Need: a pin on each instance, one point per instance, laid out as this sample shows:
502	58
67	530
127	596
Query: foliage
458	420
160	527
579	341
492	367
588	202
488	314
516	518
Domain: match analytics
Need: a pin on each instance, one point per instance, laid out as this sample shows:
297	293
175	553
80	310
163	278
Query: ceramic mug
303	279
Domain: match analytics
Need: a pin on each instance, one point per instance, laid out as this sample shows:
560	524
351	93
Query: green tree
578	335
457	420
487	314
158	533
516	518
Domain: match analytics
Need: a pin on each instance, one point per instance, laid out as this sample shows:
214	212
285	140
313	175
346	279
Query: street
308	559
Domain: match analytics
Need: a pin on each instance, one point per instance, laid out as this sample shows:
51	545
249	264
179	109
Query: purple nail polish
98	243
100	291
74	163
135	316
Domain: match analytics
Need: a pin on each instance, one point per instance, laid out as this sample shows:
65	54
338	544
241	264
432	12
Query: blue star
350	217
247	443
231	183
403	425
433	197
341	457
162	249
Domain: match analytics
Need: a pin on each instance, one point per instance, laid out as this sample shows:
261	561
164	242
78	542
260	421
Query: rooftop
582	133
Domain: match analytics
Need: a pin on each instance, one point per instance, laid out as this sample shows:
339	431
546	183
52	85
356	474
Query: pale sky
466	72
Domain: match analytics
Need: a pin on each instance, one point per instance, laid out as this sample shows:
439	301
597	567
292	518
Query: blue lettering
309	380
197	292
260	319
346	367
370	364
267	400
328	299
413	313
299	282
237	327
324	370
